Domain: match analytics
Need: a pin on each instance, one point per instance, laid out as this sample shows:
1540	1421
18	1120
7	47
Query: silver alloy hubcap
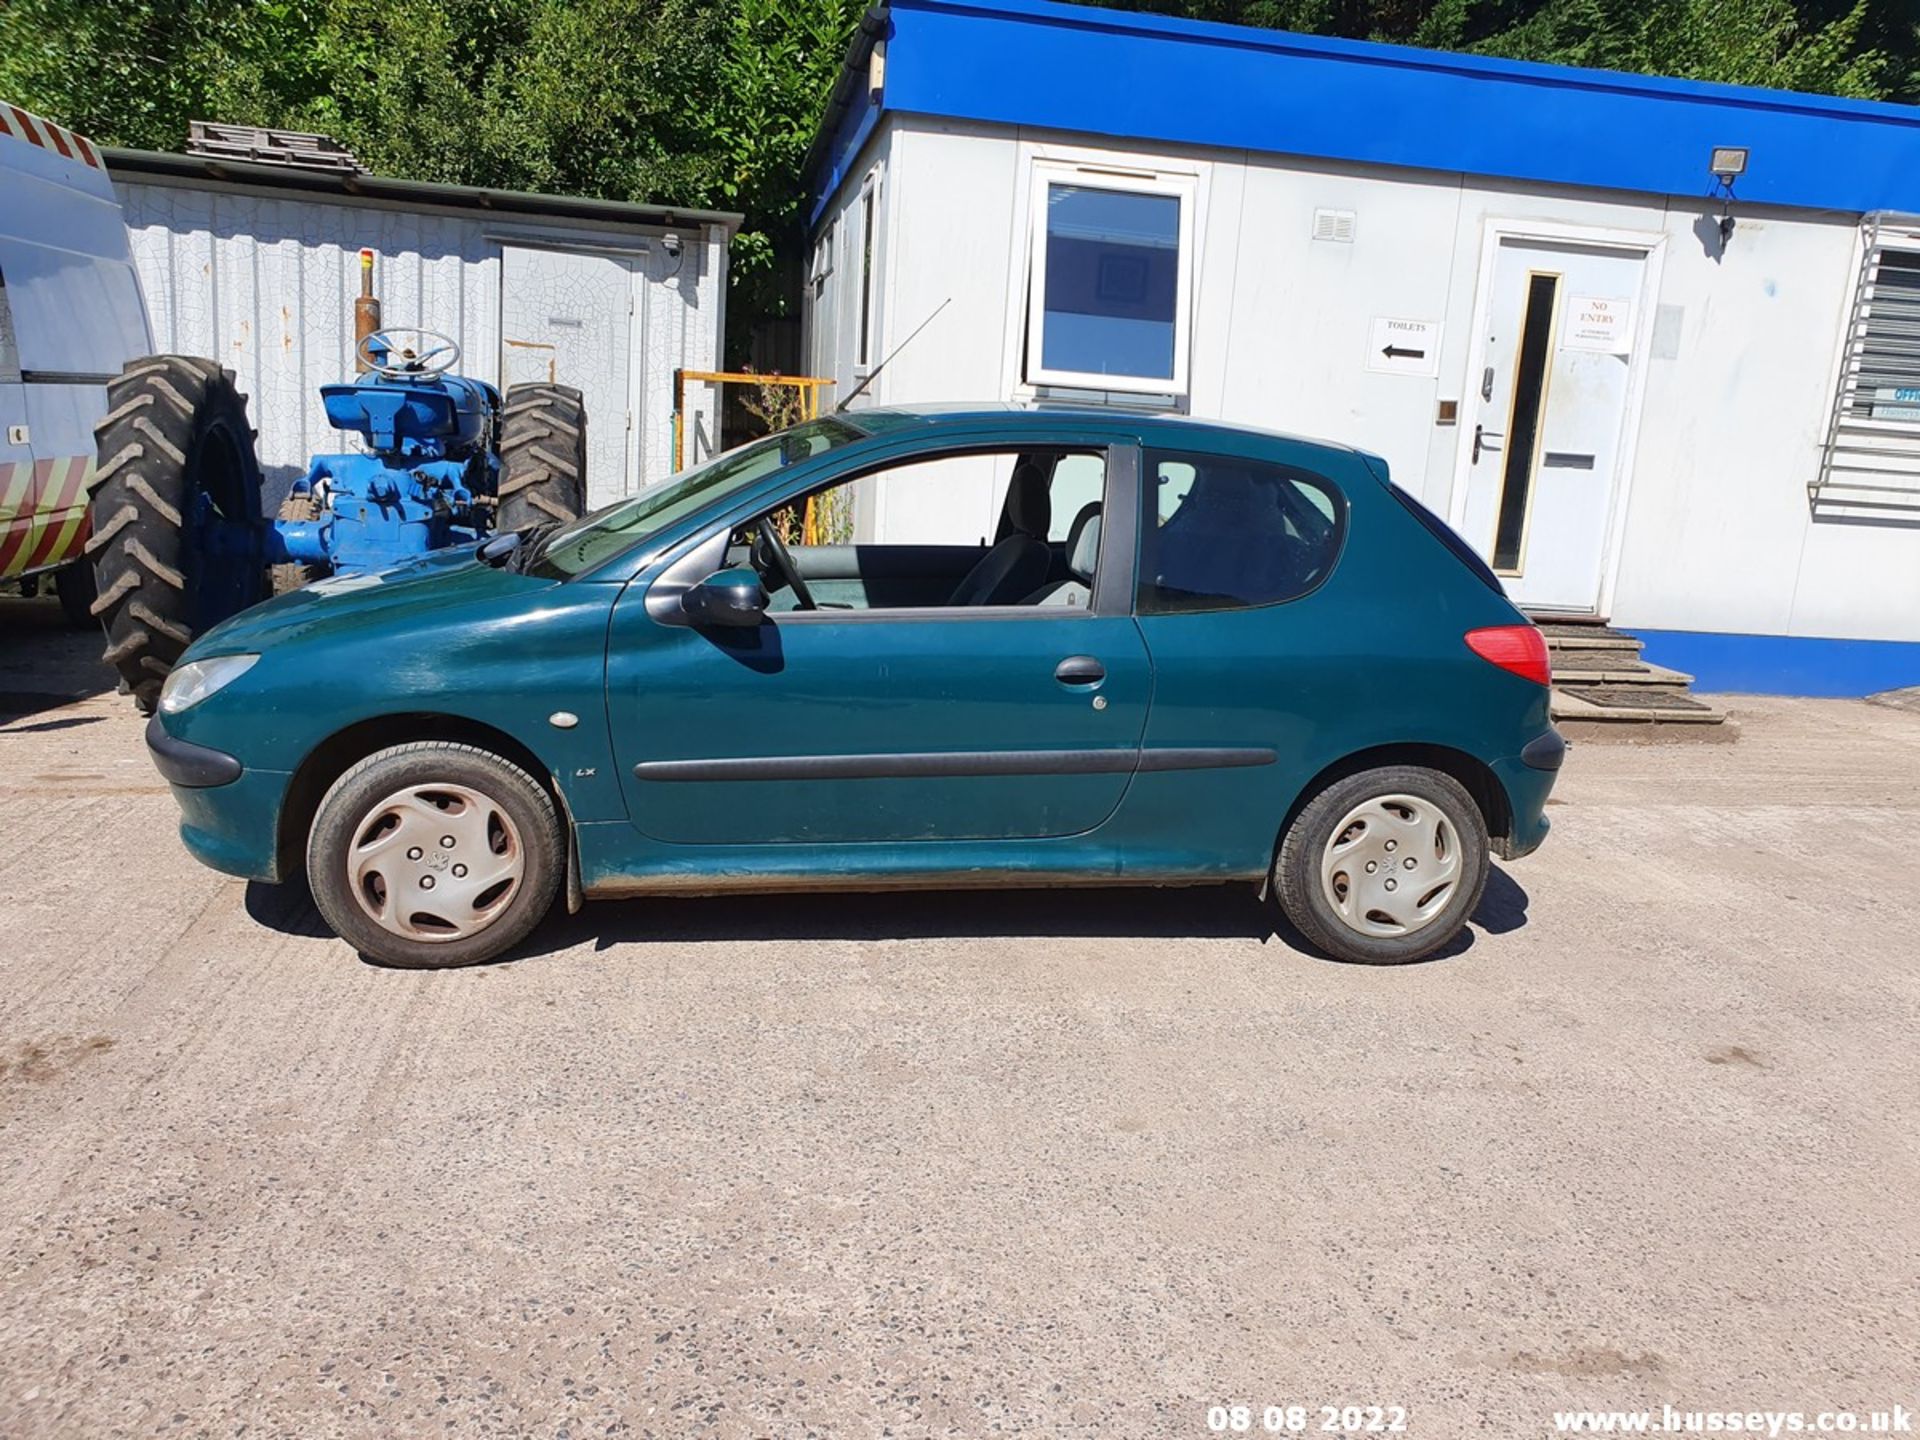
1391	865
435	862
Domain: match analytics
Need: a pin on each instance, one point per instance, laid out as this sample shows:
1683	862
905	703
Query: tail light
1520	649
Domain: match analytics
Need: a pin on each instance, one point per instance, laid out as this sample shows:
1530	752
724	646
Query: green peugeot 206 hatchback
911	647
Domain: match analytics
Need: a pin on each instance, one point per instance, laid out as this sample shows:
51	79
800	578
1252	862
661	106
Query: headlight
188	685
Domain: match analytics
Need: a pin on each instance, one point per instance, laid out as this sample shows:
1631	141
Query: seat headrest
1029	502
1084	551
1083	541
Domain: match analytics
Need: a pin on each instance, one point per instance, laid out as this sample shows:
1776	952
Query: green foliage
1741	42
705	103
1868	51
713	102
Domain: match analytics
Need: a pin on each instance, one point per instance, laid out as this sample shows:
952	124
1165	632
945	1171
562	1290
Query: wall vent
1334	225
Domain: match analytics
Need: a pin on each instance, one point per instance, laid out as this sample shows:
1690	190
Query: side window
9	350
1227	534
975	528
869	225
1078	481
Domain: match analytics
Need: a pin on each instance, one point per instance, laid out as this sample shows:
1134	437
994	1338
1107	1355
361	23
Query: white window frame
1181	186
866	255
823	253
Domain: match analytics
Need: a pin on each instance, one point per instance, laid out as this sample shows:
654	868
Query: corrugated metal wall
266	284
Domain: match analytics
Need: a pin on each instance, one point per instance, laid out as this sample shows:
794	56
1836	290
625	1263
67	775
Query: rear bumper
1528	779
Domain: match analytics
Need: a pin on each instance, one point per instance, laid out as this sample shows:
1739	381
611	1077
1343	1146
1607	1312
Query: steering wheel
770	553
415	361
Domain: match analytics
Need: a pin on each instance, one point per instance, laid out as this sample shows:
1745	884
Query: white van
71	315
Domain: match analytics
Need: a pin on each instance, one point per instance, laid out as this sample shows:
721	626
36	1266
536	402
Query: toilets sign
1404	347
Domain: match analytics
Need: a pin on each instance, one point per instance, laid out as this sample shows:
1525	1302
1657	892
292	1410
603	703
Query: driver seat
1020	562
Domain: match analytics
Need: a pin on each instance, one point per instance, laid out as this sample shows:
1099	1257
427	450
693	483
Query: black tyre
1384	866
294	574
434	854
543	457
177	541
74	585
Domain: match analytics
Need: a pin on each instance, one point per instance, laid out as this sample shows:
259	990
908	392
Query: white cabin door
1549	417
566	318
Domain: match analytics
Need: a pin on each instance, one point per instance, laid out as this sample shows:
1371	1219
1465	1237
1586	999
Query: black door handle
1079	670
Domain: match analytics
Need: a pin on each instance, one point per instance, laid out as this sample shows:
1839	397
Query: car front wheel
1385	866
434	854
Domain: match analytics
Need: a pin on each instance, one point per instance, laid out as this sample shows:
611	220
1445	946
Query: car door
930	723
1255	656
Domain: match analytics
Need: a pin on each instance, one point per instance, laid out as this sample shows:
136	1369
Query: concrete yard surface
1045	1164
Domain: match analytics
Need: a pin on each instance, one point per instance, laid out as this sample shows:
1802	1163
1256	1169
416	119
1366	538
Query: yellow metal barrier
809	387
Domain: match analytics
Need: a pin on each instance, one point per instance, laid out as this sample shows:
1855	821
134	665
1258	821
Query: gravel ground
1072	1164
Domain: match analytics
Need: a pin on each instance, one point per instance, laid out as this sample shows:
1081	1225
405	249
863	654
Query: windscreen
594	539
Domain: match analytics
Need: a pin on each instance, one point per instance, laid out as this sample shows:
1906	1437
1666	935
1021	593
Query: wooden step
1624	704
1603	688
1637	673
1594	640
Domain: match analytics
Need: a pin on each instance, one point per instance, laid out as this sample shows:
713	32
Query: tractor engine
432	463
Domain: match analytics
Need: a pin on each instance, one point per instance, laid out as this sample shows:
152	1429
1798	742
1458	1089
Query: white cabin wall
1719	525
1715	532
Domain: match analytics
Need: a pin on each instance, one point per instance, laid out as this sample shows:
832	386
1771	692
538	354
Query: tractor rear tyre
177	531
73	583
543	457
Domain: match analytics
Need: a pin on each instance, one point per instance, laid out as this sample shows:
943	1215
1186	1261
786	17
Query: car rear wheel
1384	866
434	854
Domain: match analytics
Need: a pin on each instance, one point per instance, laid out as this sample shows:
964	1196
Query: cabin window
1111	281
869	223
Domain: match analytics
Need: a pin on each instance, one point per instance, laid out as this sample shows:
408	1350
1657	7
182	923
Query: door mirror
727	597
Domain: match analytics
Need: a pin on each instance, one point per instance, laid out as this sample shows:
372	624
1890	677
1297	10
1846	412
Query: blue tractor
180	540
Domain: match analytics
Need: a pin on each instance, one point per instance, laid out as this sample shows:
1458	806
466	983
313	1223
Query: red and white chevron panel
24	125
43	513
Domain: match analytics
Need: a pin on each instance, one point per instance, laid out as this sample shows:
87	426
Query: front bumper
229	815
185	765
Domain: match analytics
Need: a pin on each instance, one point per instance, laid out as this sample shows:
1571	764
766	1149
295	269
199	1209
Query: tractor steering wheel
415	360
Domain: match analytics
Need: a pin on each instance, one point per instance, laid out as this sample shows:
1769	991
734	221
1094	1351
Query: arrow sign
1403	347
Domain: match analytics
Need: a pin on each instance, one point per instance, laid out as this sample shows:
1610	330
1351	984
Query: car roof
884	419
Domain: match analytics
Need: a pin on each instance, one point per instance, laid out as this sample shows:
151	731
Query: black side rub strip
180	762
951	762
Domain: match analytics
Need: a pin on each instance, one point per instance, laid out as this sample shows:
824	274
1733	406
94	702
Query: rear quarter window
1224	533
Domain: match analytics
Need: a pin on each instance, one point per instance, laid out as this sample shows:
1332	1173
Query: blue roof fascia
1141	77
842	147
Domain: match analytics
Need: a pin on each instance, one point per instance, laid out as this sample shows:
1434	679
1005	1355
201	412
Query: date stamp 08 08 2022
1307	1419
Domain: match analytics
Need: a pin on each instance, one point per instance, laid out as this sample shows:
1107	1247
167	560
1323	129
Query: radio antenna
873	374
